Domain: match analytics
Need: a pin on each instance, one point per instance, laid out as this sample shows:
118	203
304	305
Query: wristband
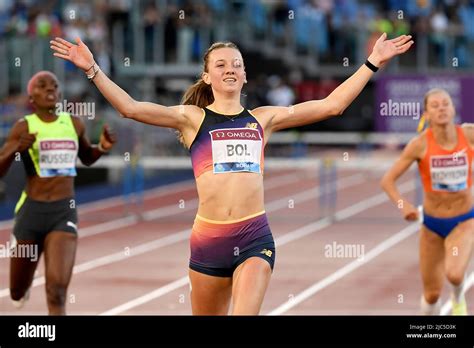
89	68
371	66
101	149
94	73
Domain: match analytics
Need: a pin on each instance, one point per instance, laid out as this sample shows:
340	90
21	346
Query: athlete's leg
250	282
23	267
210	295
59	256
432	269
458	246
26	247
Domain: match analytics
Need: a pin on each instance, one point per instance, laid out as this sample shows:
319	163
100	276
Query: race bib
57	157
236	150
449	172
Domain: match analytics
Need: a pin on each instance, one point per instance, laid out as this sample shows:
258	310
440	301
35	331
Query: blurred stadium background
294	50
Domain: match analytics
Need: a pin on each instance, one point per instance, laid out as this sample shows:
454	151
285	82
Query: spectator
151	19
279	93
439	27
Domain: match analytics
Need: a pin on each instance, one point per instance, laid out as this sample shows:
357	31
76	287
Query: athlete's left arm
89	153
316	110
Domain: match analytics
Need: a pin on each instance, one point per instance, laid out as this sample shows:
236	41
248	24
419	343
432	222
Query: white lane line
116	257
176	237
448	305
148	297
342	214
169	210
193	204
282	240
133	251
349	268
148	194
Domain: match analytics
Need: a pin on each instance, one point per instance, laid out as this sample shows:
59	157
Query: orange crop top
446	171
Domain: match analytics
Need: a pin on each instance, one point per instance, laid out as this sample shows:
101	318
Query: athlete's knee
56	293
455	276
432	296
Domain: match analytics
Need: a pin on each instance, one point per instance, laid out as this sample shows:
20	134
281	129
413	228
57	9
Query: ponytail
200	93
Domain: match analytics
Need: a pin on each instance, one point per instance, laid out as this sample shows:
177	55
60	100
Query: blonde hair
431	92
423	120
200	93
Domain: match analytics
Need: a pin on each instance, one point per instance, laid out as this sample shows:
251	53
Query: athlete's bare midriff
49	189
447	204
229	196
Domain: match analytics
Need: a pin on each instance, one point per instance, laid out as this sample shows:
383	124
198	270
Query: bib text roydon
449	173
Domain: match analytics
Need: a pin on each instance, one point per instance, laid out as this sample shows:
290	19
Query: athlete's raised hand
79	54
385	49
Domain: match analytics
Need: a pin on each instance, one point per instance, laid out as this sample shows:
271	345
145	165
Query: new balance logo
267	252
251	125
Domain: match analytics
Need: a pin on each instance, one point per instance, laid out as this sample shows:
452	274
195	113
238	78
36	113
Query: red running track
133	264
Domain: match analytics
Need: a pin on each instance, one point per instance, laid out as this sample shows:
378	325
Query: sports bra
228	144
443	170
55	149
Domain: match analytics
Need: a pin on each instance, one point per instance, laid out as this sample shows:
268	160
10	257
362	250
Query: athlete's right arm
150	113
412	152
17	141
